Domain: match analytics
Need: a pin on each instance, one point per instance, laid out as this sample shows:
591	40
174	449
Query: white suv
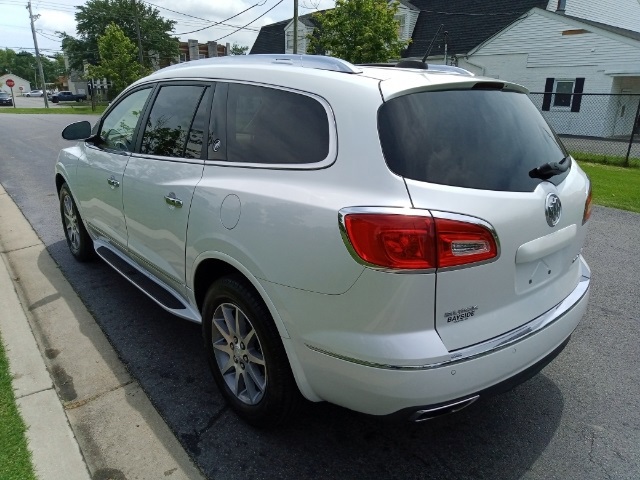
392	240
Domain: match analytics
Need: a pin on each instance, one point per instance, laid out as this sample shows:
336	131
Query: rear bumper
506	360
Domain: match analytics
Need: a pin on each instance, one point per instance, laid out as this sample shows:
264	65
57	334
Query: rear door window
170	130
483	139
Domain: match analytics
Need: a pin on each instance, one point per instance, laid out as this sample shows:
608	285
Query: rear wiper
551	169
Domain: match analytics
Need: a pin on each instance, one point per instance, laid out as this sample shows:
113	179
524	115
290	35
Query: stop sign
10	83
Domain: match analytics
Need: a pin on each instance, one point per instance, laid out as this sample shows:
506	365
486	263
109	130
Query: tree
359	31
238	49
118	60
93	18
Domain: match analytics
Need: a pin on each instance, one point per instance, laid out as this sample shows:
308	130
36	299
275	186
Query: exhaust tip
431	413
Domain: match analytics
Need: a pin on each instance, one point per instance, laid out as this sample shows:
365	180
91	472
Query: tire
78	240
246	355
54	100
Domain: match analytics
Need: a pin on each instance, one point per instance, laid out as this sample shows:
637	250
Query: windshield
484	139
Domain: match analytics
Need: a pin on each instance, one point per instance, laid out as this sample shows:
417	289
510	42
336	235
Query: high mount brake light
413	242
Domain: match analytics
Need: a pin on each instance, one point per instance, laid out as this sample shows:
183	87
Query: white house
19	82
566	56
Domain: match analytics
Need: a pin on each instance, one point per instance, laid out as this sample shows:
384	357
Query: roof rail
419	65
319	62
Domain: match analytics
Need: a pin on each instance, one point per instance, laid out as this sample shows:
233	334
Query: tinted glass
266	125
170	119
118	126
197	130
485	139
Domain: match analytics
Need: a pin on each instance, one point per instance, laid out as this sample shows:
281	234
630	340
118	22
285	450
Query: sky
58	15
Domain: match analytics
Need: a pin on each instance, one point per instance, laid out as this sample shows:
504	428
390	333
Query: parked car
66	96
34	93
5	99
397	241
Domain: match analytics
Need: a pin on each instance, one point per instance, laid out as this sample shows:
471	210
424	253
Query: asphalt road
578	419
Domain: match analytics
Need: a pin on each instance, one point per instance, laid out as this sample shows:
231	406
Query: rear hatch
471	151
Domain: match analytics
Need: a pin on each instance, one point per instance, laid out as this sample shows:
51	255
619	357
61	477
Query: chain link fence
594	126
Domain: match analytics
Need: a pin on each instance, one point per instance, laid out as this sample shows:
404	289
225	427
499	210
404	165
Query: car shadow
498	437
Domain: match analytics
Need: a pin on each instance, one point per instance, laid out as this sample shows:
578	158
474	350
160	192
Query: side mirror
77	131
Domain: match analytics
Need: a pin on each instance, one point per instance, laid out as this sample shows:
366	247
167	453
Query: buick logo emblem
553	209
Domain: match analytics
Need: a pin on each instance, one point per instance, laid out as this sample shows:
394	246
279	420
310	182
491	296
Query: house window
289	40
401	19
183	57
563	92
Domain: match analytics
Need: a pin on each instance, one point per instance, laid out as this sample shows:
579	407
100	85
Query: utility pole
35	44
135	8
295	26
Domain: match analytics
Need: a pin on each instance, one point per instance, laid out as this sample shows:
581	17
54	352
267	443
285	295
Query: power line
227	19
245	26
39	32
193	16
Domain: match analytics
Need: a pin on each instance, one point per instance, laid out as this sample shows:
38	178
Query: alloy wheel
238	353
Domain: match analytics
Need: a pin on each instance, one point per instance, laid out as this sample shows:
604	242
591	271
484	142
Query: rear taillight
415	242
460	243
587	207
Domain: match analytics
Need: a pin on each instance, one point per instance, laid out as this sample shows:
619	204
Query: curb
55	452
86	416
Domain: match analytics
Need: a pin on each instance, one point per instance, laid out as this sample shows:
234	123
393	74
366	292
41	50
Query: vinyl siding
542	40
619	13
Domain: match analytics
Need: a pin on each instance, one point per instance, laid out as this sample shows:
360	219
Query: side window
118	126
170	120
267	125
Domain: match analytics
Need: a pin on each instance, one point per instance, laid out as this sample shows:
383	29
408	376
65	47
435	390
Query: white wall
19	82
619	13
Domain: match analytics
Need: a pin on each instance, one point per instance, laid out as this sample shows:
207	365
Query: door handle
113	183
172	200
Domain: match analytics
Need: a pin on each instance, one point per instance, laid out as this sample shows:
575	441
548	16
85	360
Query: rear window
484	139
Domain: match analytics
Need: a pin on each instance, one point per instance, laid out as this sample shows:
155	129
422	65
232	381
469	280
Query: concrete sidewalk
86	416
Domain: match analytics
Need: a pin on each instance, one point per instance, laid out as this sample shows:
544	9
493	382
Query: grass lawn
15	458
604	159
615	187
79	108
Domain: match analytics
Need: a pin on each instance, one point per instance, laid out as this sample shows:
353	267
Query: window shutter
548	92
577	97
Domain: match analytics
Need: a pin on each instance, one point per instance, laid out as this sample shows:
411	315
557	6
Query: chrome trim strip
495	344
191	314
418	213
460	405
129	253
